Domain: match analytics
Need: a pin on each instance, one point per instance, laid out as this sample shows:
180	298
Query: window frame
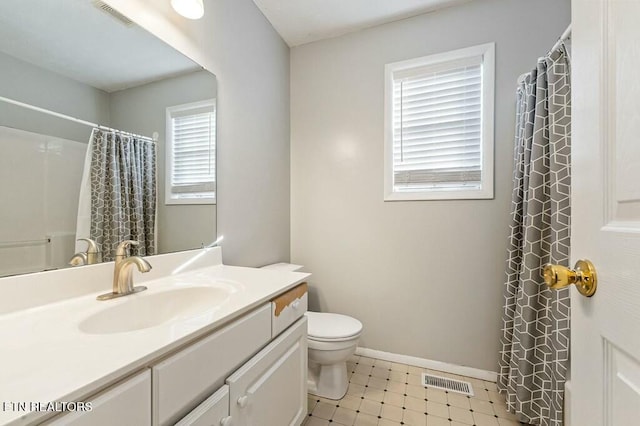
439	60
170	198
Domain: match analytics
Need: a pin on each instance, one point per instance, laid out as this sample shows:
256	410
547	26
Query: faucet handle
121	251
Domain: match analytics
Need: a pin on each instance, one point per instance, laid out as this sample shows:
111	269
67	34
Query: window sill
189	201
475	194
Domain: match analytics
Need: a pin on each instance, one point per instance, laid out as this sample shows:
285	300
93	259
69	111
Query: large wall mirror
66	65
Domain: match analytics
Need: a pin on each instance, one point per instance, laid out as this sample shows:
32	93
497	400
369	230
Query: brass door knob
583	276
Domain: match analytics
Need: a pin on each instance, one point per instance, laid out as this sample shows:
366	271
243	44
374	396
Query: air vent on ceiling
443	383
114	13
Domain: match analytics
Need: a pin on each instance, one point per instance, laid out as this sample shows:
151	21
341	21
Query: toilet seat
327	327
332	345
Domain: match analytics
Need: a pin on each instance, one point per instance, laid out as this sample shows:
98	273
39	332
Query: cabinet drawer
287	308
184	380
271	389
127	403
213	411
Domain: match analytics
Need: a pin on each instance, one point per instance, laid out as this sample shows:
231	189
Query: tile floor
388	394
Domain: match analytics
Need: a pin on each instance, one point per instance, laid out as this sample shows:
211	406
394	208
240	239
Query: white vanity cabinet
249	372
126	403
270	389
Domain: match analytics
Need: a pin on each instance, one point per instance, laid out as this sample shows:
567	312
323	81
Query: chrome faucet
123	272
91	256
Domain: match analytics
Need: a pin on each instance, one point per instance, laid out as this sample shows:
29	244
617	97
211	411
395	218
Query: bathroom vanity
206	344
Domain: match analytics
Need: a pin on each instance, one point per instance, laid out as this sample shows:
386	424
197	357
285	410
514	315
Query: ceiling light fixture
191	9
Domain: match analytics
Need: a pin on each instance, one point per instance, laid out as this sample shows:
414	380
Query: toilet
331	340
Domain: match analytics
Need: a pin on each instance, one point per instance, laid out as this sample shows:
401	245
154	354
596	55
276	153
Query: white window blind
438	126
191	152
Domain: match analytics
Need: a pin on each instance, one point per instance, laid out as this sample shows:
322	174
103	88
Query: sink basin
140	311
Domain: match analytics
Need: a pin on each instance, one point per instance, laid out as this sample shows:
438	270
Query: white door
605	329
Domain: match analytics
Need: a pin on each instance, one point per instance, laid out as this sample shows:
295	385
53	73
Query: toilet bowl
331	339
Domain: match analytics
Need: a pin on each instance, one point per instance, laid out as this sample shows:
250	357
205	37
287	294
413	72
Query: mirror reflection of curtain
119	193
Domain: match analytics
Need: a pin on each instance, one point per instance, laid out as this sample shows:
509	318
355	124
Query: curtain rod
75	120
566	35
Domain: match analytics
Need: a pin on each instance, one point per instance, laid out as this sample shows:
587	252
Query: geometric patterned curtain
123	192
535	342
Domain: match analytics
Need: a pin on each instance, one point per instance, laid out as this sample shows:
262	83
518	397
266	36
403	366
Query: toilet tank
284	267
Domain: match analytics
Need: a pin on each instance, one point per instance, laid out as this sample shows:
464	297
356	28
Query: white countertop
46	358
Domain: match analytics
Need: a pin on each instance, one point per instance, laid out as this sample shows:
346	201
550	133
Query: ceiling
303	21
76	39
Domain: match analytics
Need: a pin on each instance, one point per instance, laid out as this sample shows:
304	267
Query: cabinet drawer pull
296	304
226	421
243	401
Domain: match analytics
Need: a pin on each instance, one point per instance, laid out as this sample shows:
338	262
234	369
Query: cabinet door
213	411
185	379
271	389
127	404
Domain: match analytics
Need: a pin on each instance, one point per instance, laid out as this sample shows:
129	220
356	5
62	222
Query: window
191	154
439	126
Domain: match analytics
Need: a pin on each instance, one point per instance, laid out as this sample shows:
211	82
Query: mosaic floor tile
383	393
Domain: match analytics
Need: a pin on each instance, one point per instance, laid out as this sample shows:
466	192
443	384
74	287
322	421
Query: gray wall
251	62
27	83
142	110
252	66
424	277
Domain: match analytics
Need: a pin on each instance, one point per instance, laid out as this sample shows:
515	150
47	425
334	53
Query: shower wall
40	177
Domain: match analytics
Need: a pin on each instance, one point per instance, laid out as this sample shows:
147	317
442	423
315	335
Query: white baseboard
476	373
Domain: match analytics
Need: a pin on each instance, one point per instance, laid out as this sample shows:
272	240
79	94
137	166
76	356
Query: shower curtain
535	342
118	194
